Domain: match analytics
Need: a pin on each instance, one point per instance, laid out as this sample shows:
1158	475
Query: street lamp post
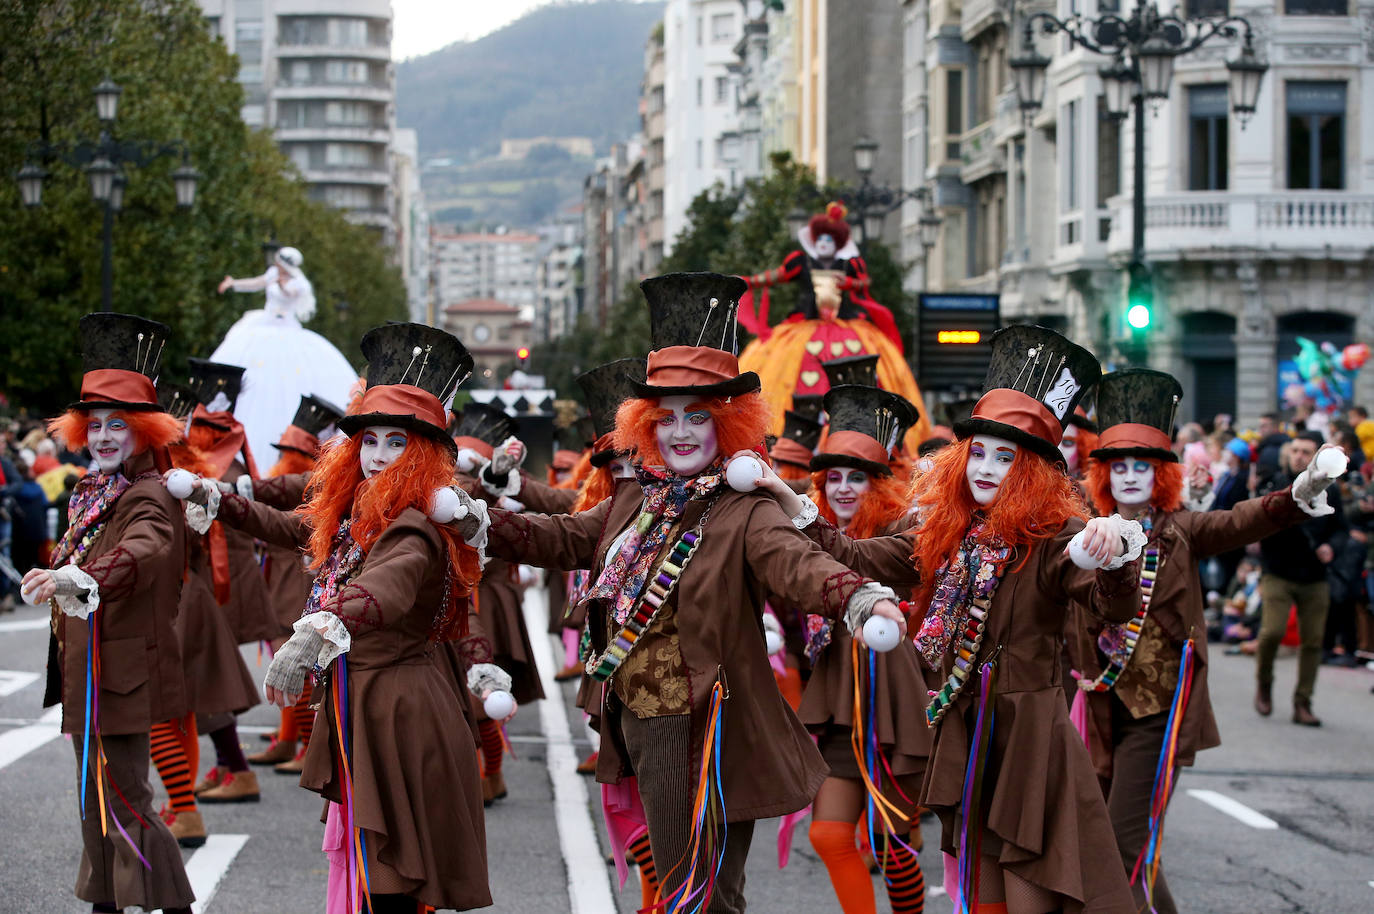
1143	48
104	161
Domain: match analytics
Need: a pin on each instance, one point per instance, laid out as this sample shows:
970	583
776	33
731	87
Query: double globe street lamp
1143	48
104	162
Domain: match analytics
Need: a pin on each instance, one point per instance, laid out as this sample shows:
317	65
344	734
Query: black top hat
120	342
1080	416
605	387
210	379
880	415
176	399
413	371
694	311
1136	408
315	414
486	422
808	405
1035	379
583	431
801	429
852	369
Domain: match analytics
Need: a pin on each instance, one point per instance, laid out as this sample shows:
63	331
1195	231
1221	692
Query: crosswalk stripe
1233	808
12	681
24	625
15	744
208	865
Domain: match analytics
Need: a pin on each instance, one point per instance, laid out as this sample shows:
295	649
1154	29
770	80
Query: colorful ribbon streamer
971	839
357	844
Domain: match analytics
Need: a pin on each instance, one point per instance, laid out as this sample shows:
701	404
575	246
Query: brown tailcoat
249	611
137	561
748	549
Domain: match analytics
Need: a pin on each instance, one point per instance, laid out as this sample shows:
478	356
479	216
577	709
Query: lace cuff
1313	504
861	603
244	487
199	517
1135	538
78	595
807	515
478	540
331	628
487	676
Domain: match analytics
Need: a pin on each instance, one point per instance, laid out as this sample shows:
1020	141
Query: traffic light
1140	301
523	355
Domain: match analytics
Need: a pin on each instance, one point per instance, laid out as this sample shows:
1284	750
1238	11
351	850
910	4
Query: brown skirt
499	606
217	679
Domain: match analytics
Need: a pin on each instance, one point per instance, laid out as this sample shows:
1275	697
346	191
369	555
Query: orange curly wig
1035	501
887	499
790	471
338	491
597	487
1167	495
152	429
1085	444
291	462
741	423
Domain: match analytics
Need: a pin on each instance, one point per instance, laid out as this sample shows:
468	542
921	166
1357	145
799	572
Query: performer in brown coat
285	572
1008	774
114	590
232	573
680	566
389	750
854	487
1132	675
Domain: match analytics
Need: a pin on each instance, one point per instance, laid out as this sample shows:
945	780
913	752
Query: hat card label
220	404
1058	397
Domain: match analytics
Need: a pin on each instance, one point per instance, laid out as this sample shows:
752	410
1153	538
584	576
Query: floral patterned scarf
665	498
957	584
92	499
336	571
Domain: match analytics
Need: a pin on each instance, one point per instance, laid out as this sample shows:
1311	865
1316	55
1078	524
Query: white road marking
24	625
12	681
589	883
15	744
935	891
208	865
1233	808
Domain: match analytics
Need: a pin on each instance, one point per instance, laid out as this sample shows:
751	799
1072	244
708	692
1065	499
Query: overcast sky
421	26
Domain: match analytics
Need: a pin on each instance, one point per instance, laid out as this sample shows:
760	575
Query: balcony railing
1217	222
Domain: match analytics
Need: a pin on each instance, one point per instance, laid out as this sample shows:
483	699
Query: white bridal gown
282	360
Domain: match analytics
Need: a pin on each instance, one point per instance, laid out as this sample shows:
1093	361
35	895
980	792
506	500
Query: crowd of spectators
36	482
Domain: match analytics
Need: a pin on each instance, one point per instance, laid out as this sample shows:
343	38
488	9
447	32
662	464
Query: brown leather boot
213	778
1302	714
187	827
1264	699
279	751
588	764
569	672
493	788
237	787
295	766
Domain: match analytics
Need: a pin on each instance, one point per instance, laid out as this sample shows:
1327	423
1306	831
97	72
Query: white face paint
621	469
1068	446
686	437
382	446
825	247
845	489
109	439
1133	481
989	461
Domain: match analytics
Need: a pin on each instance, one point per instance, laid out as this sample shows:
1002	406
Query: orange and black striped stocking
492	746
906	884
643	857
169	757
303	719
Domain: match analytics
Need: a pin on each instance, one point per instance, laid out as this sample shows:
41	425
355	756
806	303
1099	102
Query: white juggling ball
499	704
881	634
444	505
743	472
1332	462
469	460
1079	555
180	483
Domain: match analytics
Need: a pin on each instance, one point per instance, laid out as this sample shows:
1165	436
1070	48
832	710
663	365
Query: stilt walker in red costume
287	577
391	581
835	317
680	564
114	662
1145	682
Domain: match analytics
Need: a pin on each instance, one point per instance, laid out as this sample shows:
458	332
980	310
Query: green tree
178	82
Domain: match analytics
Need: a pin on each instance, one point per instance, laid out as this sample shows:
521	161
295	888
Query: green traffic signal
1140	299
1138	316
